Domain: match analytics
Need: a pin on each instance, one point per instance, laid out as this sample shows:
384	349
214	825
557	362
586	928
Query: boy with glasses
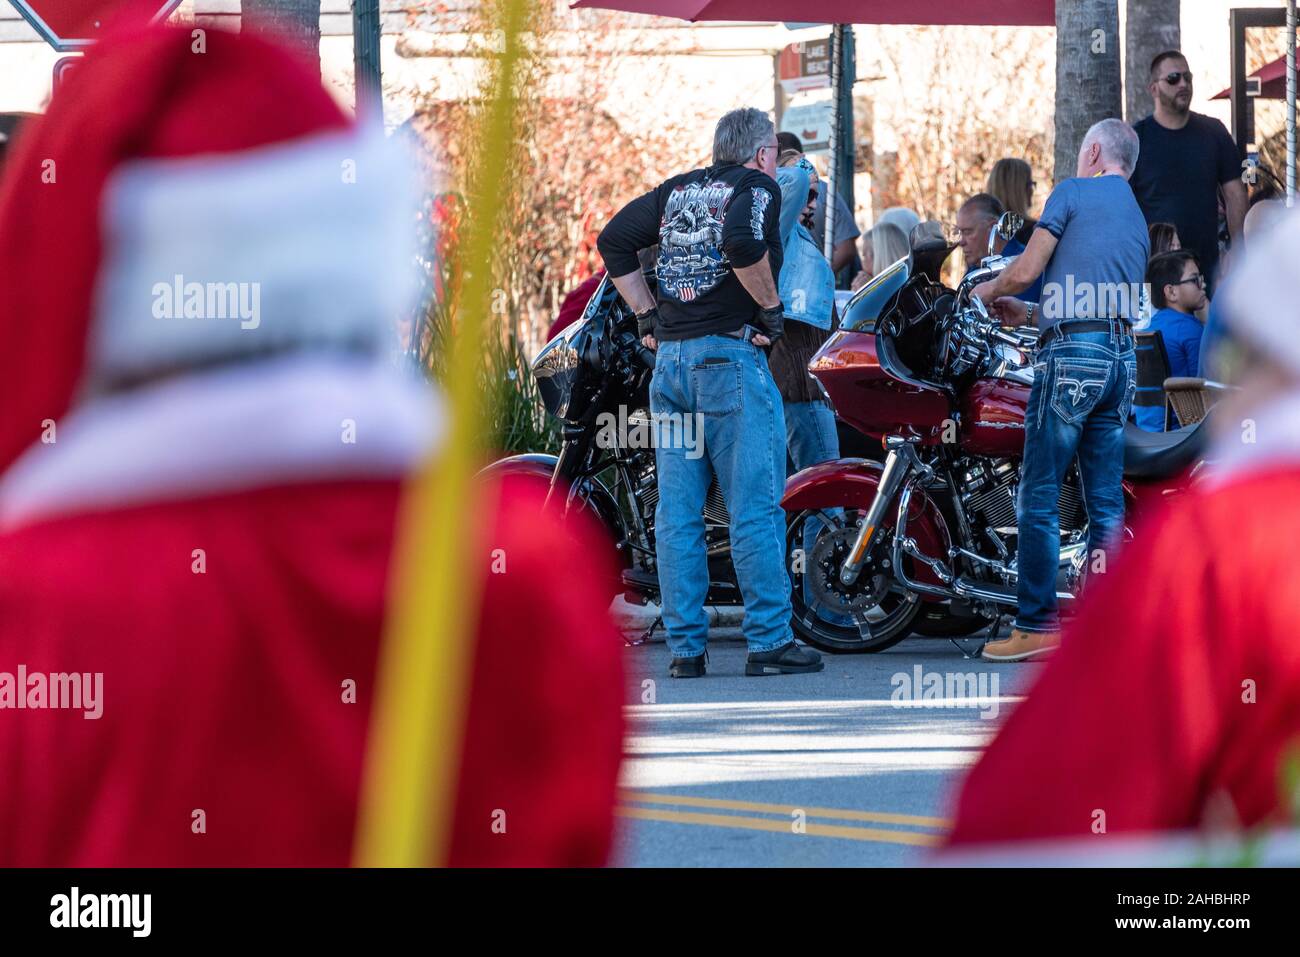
1185	157
1178	291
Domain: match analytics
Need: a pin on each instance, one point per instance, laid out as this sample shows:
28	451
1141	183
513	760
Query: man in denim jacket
1091	248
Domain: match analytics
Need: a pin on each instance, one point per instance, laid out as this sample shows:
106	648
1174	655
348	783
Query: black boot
789	659
688	667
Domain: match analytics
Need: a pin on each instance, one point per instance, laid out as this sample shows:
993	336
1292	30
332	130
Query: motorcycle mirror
1007	226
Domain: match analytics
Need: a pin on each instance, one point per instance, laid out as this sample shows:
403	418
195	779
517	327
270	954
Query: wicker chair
1192	398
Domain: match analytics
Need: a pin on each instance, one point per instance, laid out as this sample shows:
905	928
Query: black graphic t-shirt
707	223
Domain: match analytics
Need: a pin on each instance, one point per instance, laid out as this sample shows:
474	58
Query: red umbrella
1029	13
1272	81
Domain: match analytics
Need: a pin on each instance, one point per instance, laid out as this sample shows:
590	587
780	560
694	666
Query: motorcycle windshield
870	301
558	367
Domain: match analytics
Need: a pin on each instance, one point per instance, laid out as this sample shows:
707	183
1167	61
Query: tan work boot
1022	646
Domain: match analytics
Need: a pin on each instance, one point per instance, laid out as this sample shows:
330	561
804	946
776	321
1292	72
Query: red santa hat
187	199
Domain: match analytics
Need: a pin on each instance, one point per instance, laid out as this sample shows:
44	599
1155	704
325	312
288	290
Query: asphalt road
852	766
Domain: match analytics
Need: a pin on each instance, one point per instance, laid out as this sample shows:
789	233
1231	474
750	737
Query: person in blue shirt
1260	216
1177	291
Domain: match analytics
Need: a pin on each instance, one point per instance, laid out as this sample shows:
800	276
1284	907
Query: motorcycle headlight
559	367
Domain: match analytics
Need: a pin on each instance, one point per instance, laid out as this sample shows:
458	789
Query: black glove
771	322
645	323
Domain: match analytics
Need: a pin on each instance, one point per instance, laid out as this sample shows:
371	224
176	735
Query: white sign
811	122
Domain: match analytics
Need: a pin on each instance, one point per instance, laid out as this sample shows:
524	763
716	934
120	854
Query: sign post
366	29
805	66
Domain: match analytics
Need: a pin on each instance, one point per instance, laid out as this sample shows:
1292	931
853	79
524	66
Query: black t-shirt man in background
1184	159
719	237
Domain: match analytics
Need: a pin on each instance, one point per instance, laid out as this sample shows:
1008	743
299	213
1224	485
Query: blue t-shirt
1015	247
1182	338
1100	260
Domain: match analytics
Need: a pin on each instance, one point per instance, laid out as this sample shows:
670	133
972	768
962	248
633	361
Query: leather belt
1067	327
745	333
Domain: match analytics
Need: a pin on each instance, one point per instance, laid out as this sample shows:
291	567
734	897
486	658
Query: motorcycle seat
1160	455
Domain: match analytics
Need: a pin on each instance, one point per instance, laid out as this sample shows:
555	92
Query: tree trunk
1150	27
1087	74
295	23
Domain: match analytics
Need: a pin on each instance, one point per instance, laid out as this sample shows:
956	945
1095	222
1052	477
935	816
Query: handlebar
1006	337
628	340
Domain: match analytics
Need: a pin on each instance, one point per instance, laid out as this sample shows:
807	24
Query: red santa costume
199	507
1177	688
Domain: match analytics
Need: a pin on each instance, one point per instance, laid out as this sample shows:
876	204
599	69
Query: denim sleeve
794	197
1058	210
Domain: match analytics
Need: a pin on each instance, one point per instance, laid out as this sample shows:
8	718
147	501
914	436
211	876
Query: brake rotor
823	573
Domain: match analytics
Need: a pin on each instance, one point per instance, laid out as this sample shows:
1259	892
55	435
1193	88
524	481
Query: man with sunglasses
1178	291
1185	158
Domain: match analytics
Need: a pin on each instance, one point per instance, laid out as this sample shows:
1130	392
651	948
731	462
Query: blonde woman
882	245
1011	181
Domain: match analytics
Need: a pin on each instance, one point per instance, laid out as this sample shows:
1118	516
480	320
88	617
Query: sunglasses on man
1173	79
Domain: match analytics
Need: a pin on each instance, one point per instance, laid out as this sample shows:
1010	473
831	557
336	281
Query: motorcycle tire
897	610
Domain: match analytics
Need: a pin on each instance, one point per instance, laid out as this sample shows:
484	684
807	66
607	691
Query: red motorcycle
927	540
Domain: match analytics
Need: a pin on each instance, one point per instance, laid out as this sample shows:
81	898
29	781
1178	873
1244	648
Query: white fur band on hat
1262	294
303	244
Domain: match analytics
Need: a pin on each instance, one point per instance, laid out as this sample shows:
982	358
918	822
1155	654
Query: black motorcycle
596	373
595	378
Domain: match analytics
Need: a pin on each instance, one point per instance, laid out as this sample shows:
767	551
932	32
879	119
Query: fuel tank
869	398
993	417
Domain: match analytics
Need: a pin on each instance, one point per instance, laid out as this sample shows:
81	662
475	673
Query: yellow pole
413	752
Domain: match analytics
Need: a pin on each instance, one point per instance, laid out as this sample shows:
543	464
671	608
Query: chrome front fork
900	463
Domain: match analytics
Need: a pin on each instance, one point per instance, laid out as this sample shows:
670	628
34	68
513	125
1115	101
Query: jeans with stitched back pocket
726	382
1082	394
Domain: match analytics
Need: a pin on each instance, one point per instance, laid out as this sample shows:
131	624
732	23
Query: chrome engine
715	509
988	493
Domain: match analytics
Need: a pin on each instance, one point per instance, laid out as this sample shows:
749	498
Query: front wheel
872	614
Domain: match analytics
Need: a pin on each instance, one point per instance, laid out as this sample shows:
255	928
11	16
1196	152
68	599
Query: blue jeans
726	383
811	438
1082	393
810	433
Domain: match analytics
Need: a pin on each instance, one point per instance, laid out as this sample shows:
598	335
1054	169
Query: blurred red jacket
198	508
225	691
1176	691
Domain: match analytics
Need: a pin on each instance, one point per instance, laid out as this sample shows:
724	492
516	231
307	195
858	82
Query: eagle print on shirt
691	260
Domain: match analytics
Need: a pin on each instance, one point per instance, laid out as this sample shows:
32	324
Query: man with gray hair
1091	249
715	310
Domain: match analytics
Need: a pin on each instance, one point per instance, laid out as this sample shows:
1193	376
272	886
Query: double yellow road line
663	808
